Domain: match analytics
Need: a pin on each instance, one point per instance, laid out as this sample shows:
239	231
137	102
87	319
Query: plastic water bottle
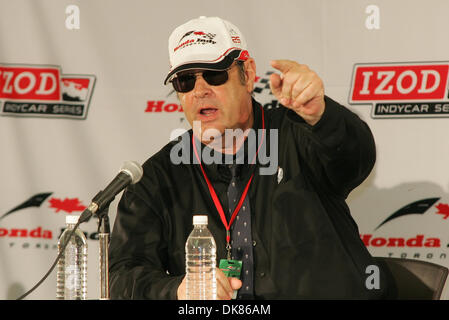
72	266
201	262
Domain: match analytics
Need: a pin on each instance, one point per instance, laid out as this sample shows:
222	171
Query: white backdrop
106	70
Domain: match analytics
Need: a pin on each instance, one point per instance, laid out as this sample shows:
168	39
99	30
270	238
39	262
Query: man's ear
250	74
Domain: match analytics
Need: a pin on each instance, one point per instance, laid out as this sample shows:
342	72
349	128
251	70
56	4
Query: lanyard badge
231	269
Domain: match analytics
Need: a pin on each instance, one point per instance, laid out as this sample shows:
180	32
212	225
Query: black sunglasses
186	82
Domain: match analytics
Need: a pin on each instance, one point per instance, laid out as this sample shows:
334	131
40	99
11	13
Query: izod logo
42	90
30	83
402	89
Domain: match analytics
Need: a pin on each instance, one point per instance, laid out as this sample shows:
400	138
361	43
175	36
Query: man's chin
207	131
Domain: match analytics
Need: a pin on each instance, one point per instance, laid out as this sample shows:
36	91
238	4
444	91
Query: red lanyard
214	196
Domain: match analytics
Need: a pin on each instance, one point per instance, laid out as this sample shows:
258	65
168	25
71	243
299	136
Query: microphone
130	173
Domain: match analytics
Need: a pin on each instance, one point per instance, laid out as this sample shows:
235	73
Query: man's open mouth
208	111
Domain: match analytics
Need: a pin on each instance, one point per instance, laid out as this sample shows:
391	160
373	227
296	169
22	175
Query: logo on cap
197	37
235	36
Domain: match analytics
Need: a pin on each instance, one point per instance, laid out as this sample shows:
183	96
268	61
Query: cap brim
220	65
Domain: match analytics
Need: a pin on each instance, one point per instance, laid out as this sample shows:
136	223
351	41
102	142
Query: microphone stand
103	235
130	173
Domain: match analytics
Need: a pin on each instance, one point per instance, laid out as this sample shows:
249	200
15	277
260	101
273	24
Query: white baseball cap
209	43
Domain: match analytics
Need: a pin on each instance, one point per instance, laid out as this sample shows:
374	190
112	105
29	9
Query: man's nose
201	88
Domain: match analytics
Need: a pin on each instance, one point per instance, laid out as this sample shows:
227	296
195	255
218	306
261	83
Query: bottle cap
71	219
200	219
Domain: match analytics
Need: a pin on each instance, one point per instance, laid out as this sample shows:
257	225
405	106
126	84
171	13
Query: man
291	228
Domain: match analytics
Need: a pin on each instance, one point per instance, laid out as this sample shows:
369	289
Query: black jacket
306	244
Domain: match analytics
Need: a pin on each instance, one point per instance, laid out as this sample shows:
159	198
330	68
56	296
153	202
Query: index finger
282	65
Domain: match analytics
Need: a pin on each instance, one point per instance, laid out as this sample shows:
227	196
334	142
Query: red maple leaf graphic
443	209
68	205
